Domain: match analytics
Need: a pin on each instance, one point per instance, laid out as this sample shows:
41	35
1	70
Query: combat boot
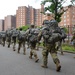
36	58
62	53
58	67
44	66
8	46
30	55
13	48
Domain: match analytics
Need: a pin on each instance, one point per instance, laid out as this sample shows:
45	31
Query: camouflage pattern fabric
21	41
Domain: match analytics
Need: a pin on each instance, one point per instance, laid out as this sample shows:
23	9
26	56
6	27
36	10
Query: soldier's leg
8	44
35	55
9	41
28	44
56	60
14	44
24	49
45	58
37	46
34	52
19	46
61	49
3	41
31	54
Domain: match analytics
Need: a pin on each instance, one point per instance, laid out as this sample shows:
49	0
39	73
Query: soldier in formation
51	34
14	36
32	37
21	41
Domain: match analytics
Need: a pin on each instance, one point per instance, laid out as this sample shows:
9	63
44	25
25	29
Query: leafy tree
55	7
24	27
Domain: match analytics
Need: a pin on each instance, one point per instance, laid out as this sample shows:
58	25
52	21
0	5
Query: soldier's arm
40	36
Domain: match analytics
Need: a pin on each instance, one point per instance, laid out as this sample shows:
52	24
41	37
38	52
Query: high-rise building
21	16
68	18
10	21
29	15
1	24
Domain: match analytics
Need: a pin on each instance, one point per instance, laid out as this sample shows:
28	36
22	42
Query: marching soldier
30	33
49	48
21	41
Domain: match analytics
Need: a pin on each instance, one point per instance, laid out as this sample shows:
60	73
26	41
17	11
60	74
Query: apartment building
21	16
1	24
29	15
68	18
10	21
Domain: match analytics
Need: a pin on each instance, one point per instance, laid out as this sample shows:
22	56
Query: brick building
10	21
68	18
29	15
1	24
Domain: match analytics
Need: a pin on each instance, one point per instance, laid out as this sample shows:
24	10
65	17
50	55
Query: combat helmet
53	23
45	22
32	26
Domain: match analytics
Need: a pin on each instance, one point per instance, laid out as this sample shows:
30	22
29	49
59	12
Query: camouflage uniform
3	37
8	37
59	47
21	41
49	48
15	34
32	45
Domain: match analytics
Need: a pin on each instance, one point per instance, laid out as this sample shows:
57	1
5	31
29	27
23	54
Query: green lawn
67	47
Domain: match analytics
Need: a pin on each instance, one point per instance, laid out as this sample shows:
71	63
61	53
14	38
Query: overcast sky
9	7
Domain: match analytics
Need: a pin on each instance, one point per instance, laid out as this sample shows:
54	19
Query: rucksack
9	33
3	34
49	36
33	35
33	38
21	36
14	34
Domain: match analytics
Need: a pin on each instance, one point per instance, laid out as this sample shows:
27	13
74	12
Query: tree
24	27
56	7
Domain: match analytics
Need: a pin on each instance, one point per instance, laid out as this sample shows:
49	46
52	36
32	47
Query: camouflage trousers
20	44
3	41
14	43
33	51
37	46
59	47
49	48
8	40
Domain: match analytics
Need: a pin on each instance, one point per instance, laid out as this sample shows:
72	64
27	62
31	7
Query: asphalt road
12	63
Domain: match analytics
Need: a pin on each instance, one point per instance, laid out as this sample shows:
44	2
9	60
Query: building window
64	20
64	16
